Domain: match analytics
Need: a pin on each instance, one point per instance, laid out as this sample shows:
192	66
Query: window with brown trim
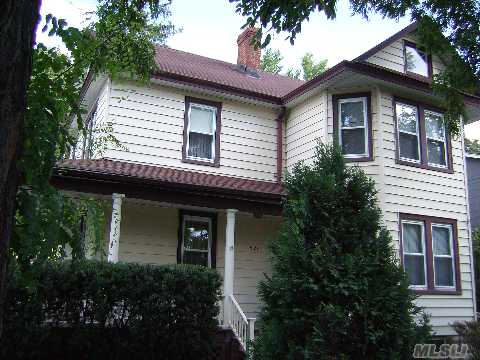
429	253
422	138
201	139
416	62
352	122
197	238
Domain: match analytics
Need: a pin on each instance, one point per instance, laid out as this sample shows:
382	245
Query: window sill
214	163
358	159
424	166
419	77
437	292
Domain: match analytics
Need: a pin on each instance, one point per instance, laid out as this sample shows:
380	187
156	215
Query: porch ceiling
170	185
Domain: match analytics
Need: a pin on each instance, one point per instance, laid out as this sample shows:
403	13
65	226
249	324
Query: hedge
98	310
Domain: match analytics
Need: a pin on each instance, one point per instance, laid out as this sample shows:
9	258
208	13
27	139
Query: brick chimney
247	54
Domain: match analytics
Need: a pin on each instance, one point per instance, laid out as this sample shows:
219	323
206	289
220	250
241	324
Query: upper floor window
430	253
421	136
202	132
416	61
353	128
84	147
197	239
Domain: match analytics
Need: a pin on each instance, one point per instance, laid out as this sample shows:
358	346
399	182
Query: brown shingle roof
164	175
184	64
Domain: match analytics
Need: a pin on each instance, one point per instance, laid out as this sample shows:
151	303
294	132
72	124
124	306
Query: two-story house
207	143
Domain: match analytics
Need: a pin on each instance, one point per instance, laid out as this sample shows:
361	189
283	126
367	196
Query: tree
460	49
119	43
270	61
336	290
472	146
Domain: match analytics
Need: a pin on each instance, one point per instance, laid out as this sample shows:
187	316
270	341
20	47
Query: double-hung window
416	61
201	133
430	253
353	125
197	239
422	138
85	146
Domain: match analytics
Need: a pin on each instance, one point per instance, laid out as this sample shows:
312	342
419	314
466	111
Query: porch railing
243	327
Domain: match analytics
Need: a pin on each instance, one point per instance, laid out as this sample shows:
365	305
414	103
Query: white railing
243	327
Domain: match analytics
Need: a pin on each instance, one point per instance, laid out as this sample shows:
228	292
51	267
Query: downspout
280	121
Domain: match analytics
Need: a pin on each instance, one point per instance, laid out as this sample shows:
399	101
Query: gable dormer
401	53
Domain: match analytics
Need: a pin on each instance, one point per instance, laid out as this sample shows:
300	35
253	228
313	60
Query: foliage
271	62
472	146
469	333
460	48
89	309
120	42
336	290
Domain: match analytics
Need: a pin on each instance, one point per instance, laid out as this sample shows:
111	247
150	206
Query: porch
223	223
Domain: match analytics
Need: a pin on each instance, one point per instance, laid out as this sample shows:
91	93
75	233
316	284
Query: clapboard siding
392	57
149	122
305	126
149	235
427	192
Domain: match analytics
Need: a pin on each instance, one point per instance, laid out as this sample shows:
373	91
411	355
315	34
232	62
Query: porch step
227	346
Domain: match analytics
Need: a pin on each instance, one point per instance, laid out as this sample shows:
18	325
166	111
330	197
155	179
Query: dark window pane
408	146
415	269
200	145
416	61
352	114
196	235
436	152
195	258
412	238
353	141
443	272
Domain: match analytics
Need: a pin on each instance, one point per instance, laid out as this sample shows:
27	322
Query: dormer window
202	132
417	62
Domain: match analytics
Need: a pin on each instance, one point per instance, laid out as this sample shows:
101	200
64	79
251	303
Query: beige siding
149	121
425	192
305	126
149	235
392	57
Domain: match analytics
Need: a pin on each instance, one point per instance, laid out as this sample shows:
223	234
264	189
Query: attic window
417	62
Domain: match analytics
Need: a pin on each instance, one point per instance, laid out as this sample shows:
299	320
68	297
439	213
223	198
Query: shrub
90	310
336	290
469	333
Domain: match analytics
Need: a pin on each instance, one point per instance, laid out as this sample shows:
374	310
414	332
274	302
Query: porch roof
167	184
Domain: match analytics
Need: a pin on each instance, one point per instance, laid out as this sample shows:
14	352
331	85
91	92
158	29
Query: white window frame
424	254
364	100
199	219
451	256
214	131
417	134
444	140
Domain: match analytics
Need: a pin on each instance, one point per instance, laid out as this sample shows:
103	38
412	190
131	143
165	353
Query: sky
210	28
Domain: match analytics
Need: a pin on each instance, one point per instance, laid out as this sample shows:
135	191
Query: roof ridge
229	63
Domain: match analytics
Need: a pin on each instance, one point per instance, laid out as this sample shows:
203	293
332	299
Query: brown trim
218	124
336	133
214	86
164	191
405	31
423	164
429	62
428	221
280	120
213	247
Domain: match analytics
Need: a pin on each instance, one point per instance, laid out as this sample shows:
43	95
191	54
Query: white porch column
229	263
115	227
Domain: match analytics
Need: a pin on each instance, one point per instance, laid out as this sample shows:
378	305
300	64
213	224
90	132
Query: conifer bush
336	289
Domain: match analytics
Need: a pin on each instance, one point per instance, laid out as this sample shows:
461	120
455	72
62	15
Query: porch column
115	227
229	263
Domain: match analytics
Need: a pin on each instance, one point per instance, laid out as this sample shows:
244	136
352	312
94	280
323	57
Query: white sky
210	28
